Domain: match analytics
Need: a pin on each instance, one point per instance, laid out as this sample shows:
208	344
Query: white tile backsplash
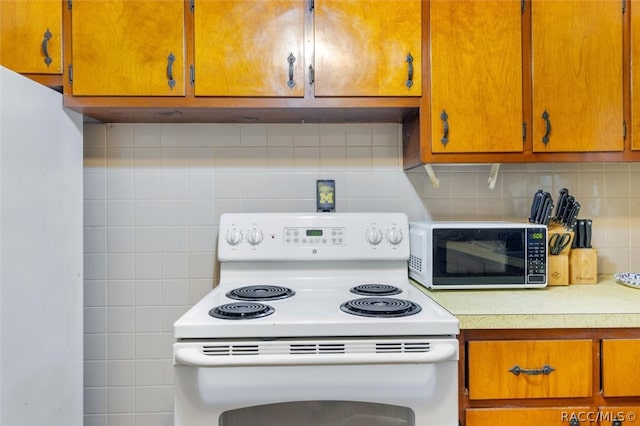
153	194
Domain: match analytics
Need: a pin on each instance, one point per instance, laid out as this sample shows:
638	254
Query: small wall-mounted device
326	195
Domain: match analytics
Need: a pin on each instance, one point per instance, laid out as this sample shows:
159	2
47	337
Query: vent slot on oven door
400	347
317	347
322	348
226	350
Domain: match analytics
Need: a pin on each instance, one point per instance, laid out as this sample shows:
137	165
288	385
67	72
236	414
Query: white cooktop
315	312
321	257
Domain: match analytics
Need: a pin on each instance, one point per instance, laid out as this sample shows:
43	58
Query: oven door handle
192	356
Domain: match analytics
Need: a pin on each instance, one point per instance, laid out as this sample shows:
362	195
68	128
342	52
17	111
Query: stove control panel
313	236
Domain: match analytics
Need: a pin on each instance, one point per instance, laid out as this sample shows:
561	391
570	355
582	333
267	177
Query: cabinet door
515	369
368	48
635	75
476	76
530	416
624	414
249	48
128	47
620	362
577	75
31	36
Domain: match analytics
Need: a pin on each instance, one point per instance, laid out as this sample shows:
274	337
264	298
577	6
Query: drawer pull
546	370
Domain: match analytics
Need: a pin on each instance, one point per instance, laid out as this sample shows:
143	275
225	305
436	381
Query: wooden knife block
560	229
558	270
583	266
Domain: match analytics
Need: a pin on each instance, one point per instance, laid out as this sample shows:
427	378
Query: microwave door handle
192	356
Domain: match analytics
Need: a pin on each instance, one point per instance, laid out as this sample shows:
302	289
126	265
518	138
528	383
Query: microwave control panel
536	255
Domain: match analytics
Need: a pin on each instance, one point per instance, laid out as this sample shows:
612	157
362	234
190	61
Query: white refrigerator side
40	256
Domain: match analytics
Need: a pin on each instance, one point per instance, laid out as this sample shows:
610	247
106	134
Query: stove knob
233	237
255	237
394	236
374	236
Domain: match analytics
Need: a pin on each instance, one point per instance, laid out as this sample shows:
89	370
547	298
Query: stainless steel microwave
478	255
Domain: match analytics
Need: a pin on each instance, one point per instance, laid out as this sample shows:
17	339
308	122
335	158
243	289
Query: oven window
320	413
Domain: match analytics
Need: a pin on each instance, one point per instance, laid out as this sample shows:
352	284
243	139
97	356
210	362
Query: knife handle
562	198
535	206
573	215
587	233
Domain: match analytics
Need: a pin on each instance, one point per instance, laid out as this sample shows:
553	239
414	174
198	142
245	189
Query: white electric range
315	322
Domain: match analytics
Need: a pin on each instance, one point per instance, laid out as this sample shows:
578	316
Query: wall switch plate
326	195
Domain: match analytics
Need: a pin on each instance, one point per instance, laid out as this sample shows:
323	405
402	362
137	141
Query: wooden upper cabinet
249	48
577	75
128	47
368	48
476	76
31	36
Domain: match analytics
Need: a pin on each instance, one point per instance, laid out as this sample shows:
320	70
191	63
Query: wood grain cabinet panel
362	47
623	415
577	75
31	36
249	48
476	76
128	47
514	369
620	367
635	74
528	416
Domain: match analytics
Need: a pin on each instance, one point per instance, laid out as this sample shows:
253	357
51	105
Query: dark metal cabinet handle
170	60
291	59
545	117
546	370
409	61
445	136
45	47
312	74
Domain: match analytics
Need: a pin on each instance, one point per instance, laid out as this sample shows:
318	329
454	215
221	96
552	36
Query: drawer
620	364
513	369
529	416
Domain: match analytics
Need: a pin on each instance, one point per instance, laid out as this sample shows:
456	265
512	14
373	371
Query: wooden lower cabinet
623	415
529	416
518	369
550	377
621	367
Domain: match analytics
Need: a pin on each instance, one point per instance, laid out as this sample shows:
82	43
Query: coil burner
375	290
380	307
260	292
241	311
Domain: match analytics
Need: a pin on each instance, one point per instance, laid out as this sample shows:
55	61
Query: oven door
372	382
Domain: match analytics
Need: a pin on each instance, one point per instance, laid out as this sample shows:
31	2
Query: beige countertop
608	304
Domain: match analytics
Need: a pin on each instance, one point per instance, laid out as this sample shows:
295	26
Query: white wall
153	195
40	256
